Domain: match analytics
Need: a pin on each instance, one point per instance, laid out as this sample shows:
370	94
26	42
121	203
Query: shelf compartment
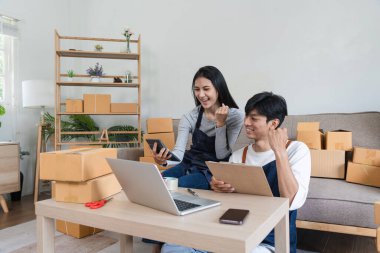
83	113
91	54
97	142
100	84
98	132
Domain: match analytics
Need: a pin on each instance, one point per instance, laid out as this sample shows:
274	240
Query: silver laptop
144	185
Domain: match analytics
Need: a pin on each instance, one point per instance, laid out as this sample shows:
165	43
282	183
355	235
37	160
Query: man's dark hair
215	76
269	105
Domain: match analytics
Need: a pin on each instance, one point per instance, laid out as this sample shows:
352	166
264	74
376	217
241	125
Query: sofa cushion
340	203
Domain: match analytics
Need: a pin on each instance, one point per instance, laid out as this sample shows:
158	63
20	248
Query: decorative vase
128	50
95	79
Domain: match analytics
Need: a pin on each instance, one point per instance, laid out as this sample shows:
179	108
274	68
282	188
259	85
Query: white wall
322	56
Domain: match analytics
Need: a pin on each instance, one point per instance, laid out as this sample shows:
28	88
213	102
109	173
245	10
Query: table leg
281	234
126	243
3	204
45	234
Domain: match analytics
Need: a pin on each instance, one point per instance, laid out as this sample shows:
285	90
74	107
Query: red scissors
97	204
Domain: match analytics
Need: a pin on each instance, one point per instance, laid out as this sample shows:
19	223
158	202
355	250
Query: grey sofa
333	205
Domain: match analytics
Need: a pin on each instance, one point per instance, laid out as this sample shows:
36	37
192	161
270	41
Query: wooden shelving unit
97	55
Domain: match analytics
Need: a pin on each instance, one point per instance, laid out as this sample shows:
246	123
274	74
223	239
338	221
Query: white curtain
9	32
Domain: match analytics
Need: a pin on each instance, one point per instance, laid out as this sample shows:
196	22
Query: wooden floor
316	241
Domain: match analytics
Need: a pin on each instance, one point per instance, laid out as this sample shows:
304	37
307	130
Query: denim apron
270	171
201	150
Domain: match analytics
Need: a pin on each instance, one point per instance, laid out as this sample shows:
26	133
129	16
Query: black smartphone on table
234	216
161	145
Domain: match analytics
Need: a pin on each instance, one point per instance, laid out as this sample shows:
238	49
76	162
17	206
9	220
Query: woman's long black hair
215	76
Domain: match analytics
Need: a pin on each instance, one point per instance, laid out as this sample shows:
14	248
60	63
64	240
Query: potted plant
95	72
2	111
70	75
98	48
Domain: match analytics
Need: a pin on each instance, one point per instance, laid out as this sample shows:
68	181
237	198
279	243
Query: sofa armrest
130	153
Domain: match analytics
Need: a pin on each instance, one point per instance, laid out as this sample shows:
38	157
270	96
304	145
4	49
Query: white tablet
244	178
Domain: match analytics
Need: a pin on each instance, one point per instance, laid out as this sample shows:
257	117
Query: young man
287	164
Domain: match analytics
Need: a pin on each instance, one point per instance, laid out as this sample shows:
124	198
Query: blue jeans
188	177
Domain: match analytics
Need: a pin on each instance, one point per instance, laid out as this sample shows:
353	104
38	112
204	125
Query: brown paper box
363	174
91	190
159	125
124	107
74	229
308	126
97	103
74	105
76	165
367	156
328	163
151	160
166	138
313	139
339	139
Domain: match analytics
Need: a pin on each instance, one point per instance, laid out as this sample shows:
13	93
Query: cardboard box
328	163
159	125
74	229
313	139
151	160
124	107
308	126
74	105
166	138
363	174
82	192
367	156
76	165
97	103
339	139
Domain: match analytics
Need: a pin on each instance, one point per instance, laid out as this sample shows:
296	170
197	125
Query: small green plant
98	47
2	111
70	73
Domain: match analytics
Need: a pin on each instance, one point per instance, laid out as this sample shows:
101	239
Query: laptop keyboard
183	205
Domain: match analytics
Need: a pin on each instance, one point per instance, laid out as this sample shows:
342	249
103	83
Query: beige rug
64	243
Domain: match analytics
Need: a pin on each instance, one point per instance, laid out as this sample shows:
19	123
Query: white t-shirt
300	164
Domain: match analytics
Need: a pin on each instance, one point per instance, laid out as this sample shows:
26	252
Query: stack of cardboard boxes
329	162
158	128
365	167
99	103
80	176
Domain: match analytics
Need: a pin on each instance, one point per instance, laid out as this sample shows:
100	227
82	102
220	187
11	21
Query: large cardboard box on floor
363	174
328	163
166	138
97	103
159	125
124	107
82	192
74	229
151	160
76	165
74	105
366	156
339	139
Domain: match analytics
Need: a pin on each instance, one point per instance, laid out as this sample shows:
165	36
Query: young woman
214	123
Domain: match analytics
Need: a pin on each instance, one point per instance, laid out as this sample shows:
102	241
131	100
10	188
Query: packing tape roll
171	183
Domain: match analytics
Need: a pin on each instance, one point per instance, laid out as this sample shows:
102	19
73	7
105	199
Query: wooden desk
199	230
